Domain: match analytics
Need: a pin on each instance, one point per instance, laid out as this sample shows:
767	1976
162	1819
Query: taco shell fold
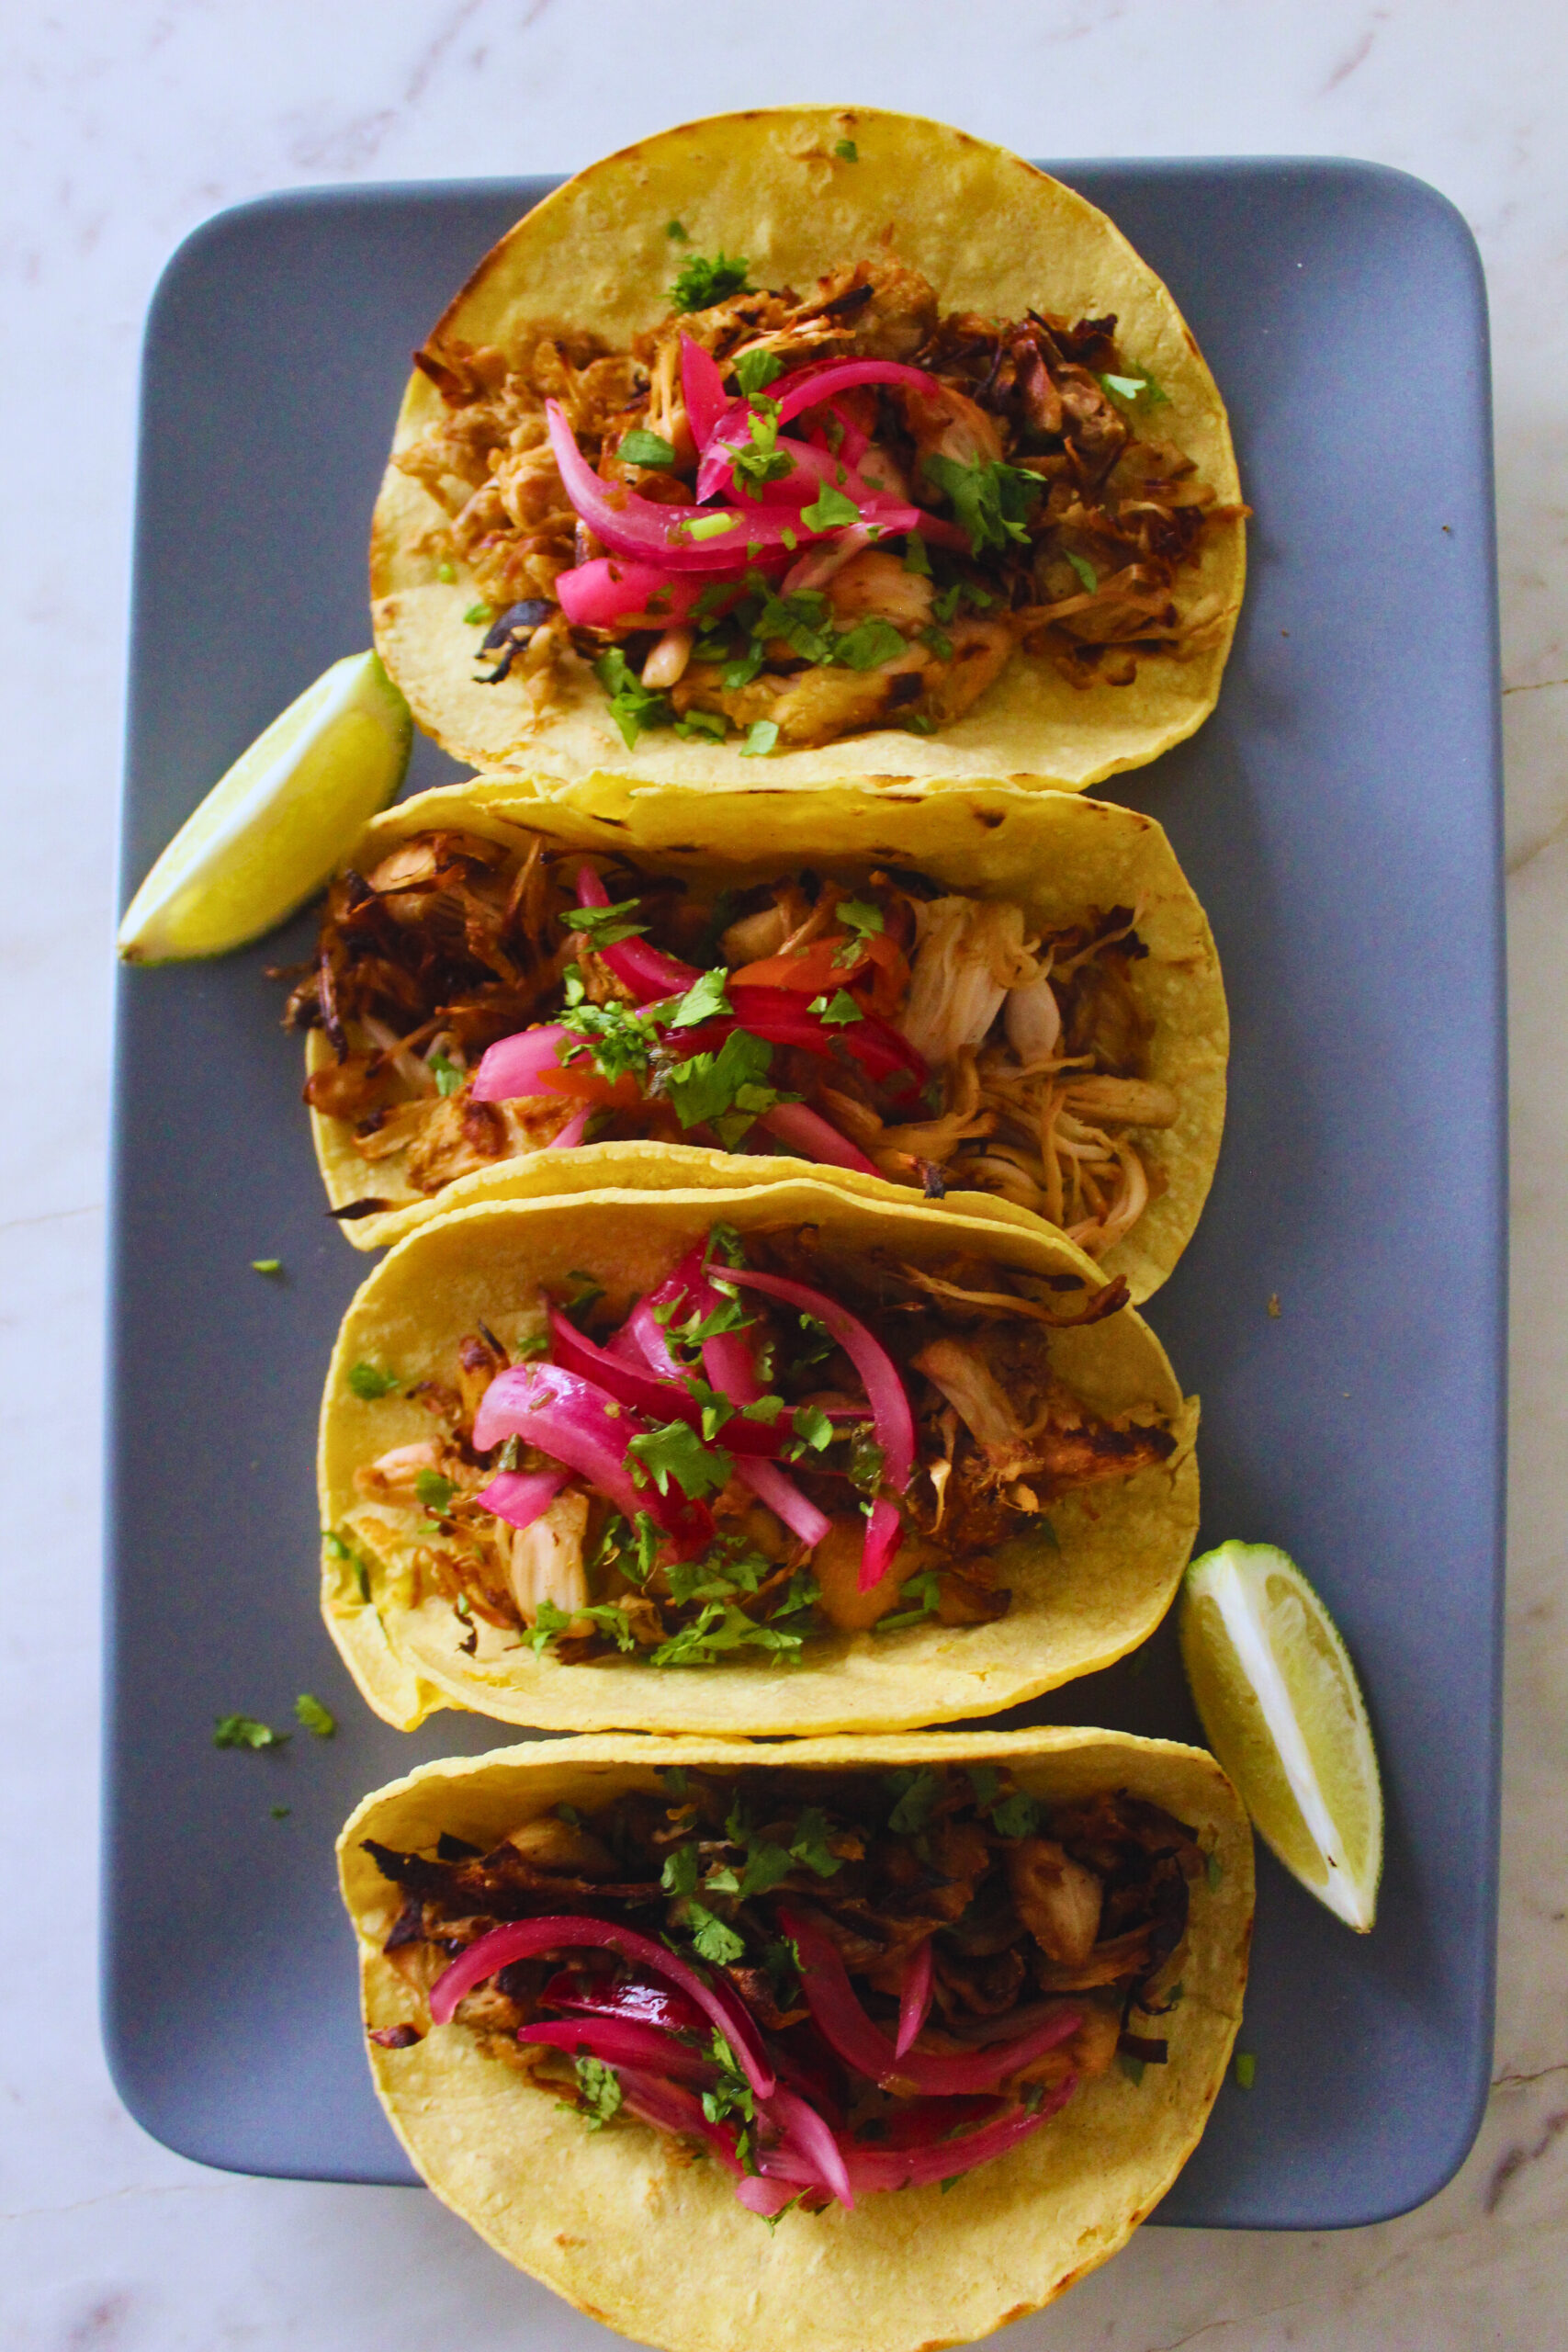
657	2248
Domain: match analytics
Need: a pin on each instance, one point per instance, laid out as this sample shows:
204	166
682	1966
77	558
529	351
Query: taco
1009	993
778	1459
628	2000
835	437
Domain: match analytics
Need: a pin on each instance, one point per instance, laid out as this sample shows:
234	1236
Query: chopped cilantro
308	1710
811	1845
368	1383
447	1076
633	705
846	151
479	614
703	1000
1131	2066
939	642
1214	1870
709	526
1133	389
585	1296
605	926
760	739
1016	1816
640	448
914	1792
829	509
813	1428
710	724
619	1037
989	499
266	1265
860	916
765	1866
755	370
1245	2070
837	1011
446	573
530	1347
759	459
867	645
915	556
1089	579
434	1491
599	2089
726	1090
676	1452
781	1960
925	1590
703	283
550	1621
720	1629
650	1536
245	1731
713	1941
867	1462
280	1812
673	229
984	1780
918	724
680	1872
675	1776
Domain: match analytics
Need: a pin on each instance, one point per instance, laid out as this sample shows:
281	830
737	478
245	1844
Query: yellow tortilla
993	235
1056	853
616	2223
1121	1546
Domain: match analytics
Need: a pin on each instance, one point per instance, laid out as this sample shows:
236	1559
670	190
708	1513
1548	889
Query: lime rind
1283	1711
278	823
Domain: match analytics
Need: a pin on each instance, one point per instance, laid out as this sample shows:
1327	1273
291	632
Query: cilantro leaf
760	737
812	1427
245	1731
368	1383
811	1845
759	458
915	556
755	370
266	1265
314	1716
1089	579
448	1077
989	499
708	526
866	644
937	640
640	448
599	2090
619	1037
915	1792
676	1452
1016	1816
985	1780
926	1592
633	705
837	1011
830	511
859	915
710	1086
846	151
673	229
720	1629
713	1941
1134	389
703	283
605	926
680	1872
765	1866
434	1491
478	616
703	1000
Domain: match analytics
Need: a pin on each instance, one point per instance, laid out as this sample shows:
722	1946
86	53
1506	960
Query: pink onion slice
860	2042
638	526
571	1931
702	389
815	1137
915	1998
576	1128
520	1496
623	2042
670	2107
635	1998
662	1397
893	1423
765	2197
784	1499
803	2131
518	1066
578	1422
647	969
873	2169
614	591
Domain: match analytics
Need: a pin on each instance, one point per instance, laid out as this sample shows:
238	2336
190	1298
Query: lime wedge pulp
272	831
1283	1711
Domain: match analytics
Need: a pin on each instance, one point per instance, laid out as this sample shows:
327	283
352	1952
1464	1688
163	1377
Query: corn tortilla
617	2225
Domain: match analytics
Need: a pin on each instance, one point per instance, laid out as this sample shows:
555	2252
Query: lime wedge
1284	1714
268	835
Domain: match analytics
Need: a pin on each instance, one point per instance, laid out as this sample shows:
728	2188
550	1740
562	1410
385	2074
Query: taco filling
830	1984
782	1438
484	1002
789	518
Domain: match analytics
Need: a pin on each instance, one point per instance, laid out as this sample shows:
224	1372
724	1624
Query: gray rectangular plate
1339	816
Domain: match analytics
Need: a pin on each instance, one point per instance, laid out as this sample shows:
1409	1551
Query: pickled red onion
520	1496
815	1137
647	969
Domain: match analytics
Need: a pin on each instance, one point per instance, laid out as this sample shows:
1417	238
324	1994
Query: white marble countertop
124	127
